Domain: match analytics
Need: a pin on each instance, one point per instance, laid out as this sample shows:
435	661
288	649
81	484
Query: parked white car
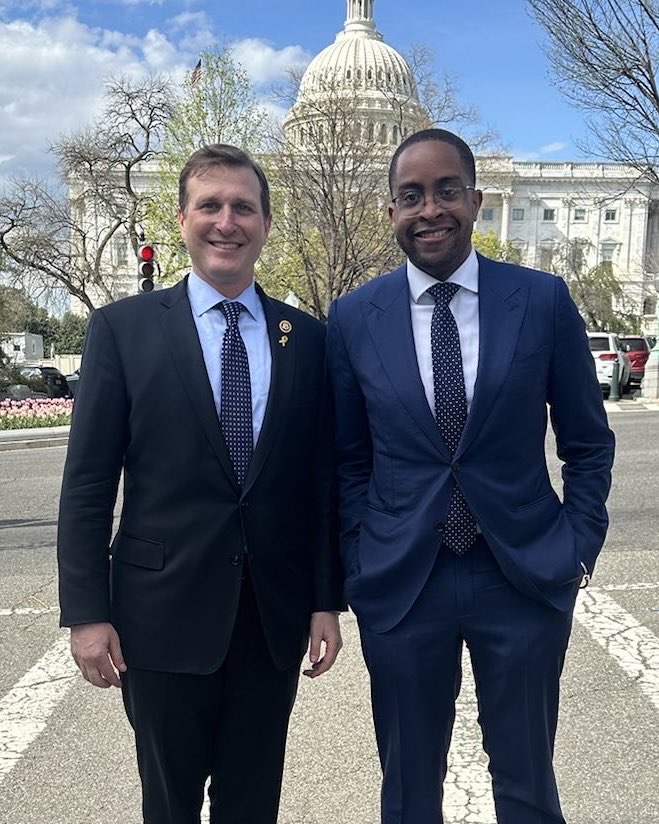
606	349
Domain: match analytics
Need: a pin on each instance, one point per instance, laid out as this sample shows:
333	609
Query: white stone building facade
538	207
603	207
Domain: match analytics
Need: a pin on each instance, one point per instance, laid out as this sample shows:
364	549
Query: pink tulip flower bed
35	412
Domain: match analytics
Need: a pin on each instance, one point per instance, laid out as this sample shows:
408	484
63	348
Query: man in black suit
210	398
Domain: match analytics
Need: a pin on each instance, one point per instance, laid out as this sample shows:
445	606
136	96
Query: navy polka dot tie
450	406
236	393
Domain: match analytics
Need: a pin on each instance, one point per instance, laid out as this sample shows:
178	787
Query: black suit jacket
170	579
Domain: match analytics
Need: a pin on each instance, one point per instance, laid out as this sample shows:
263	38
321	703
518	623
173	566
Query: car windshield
635	344
599	344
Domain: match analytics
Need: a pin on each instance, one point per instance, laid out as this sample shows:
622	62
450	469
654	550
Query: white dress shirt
211	325
464	308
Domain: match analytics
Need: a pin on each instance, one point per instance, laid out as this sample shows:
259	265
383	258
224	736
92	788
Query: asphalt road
66	753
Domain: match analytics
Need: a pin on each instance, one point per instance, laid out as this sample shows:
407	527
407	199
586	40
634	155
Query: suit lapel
502	301
283	348
388	319
183	340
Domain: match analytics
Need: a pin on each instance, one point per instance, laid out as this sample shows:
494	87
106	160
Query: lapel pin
285	326
283	340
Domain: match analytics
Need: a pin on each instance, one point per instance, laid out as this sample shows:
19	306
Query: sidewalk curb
14	439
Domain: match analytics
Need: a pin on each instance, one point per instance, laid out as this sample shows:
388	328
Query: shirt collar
466	275
203	297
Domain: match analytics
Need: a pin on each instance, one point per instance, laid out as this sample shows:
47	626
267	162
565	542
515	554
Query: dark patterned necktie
236	393
450	406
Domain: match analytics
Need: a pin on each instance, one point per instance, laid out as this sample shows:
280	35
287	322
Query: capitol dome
361	67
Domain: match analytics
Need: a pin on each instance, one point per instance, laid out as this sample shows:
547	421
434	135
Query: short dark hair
441	136
221	154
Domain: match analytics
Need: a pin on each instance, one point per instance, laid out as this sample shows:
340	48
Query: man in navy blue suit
443	373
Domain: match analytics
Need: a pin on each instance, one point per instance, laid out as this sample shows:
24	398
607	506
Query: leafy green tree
601	300
71	334
598	293
20	314
490	245
220	107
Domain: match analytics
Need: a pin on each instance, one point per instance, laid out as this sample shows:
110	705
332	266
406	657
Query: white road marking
25	709
623	587
632	646
206	809
6	613
468	786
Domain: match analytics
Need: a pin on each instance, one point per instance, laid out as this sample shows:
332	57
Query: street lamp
650	387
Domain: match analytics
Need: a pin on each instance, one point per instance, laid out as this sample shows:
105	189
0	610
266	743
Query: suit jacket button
439	527
235	560
455	467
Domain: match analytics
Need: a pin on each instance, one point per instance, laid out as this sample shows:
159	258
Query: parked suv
46	379
638	349
606	348
14	386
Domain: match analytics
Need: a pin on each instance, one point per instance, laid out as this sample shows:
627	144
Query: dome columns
360	10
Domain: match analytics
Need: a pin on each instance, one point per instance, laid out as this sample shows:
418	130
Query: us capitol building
603	208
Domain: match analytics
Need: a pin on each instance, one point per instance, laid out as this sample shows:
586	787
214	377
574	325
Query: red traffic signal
146	266
146	263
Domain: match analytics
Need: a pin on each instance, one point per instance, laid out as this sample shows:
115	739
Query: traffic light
146	266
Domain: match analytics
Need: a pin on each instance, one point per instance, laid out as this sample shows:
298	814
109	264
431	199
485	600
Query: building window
607	252
649	306
546	257
383	133
576	255
549	215
518	214
487	214
610	215
579	215
121	250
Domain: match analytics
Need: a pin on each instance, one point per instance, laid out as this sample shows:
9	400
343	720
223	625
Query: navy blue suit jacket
396	473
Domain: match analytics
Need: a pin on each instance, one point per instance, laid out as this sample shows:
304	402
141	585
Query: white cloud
53	73
263	63
551	148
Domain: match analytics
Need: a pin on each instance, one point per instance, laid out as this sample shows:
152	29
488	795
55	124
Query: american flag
195	77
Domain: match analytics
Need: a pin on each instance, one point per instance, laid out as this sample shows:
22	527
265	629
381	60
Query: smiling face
224	227
436	240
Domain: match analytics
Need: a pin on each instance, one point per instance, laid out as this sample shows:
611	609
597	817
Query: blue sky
54	55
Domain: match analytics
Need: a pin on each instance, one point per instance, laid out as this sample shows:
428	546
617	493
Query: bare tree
329	182
605	55
440	104
65	237
329	173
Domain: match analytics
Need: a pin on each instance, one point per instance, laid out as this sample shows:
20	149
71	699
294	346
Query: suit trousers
230	726
517	649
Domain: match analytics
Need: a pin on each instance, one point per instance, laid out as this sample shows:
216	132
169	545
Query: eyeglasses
413	201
